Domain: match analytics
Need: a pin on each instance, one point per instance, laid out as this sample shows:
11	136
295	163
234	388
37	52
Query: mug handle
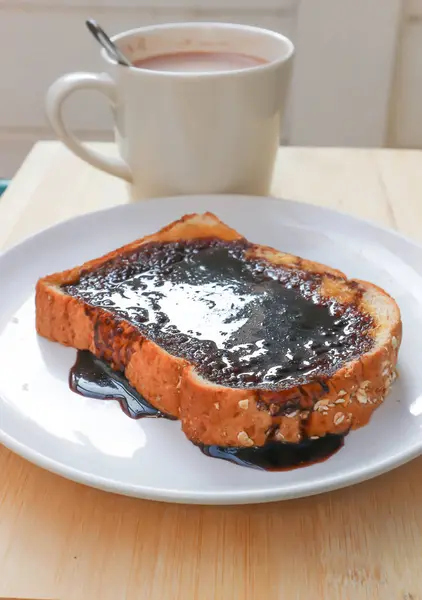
58	92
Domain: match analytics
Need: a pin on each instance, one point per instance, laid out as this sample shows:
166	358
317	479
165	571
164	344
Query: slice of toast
220	394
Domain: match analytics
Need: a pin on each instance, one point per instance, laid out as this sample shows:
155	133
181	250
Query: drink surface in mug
200	112
199	62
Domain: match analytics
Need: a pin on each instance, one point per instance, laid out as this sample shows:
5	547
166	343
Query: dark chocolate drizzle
242	322
277	456
93	378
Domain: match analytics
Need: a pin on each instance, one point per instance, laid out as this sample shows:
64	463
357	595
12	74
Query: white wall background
377	97
405	128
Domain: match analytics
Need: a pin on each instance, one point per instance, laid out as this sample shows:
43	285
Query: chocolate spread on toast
242	322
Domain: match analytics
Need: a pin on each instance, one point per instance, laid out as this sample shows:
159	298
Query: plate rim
237	197
261	495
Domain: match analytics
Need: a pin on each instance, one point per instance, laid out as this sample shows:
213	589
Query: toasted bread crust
213	414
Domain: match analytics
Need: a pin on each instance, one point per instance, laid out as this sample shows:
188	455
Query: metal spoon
109	46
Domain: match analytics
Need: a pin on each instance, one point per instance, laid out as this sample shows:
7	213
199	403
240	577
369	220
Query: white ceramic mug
188	132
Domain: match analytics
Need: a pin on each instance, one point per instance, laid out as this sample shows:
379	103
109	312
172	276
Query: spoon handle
111	49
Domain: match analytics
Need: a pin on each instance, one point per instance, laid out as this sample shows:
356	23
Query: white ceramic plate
94	443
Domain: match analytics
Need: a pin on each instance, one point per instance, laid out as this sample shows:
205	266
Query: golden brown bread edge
213	414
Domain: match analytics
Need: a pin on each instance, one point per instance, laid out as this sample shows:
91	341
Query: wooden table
62	540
